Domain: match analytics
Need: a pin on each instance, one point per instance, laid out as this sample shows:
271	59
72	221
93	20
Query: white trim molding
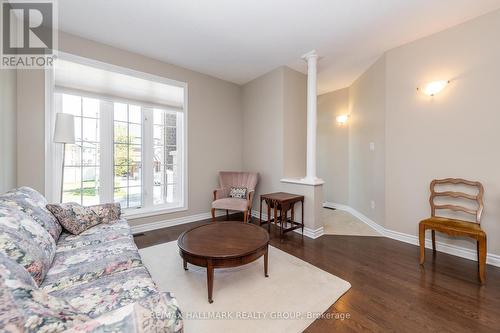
303	181
308	232
459	251
140	228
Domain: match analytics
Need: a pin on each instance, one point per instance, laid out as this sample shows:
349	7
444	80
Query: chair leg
227	215
213	215
421	237
477	248
482	259
433	242
245	216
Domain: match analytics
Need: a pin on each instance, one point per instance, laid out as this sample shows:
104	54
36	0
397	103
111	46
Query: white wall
262	105
274	117
419	138
333	146
215	124
367	126
454	134
8	149
275	125
294	123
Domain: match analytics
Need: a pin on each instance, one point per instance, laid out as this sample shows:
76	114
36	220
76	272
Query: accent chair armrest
221	193
250	195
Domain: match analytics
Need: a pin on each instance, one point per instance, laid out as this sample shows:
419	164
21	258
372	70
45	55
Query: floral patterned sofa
53	281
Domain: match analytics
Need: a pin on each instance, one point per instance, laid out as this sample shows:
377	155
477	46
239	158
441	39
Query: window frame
53	162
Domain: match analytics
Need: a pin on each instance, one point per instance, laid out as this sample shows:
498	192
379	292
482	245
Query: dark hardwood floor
390	291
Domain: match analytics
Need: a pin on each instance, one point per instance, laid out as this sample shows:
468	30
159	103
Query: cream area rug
289	300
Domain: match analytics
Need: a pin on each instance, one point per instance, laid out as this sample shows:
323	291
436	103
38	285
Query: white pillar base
313	205
313	181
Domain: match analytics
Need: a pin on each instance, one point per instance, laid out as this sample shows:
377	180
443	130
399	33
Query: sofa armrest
108	212
155	313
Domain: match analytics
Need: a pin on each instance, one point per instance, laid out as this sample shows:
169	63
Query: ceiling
239	40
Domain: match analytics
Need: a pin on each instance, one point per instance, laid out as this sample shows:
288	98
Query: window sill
132	214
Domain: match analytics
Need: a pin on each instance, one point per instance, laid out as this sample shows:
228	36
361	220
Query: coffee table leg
185	265
266	259
210	280
268	216
260	216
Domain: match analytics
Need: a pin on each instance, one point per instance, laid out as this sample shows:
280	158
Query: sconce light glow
433	88
342	120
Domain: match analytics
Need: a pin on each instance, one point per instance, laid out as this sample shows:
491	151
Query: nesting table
282	202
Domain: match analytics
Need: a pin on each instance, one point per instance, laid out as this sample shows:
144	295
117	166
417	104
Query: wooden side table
282	202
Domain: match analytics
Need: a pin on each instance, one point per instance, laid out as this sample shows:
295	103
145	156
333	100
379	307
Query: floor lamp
64	133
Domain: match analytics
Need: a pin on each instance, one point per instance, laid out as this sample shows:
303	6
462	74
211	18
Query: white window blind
79	78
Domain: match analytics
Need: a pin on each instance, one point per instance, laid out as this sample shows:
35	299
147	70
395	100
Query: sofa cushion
155	313
25	308
76	218
101	233
91	260
108	292
26	242
31	202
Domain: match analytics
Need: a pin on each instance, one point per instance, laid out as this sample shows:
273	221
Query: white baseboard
492	259
308	232
137	229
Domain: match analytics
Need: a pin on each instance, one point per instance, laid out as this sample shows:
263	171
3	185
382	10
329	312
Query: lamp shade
65	128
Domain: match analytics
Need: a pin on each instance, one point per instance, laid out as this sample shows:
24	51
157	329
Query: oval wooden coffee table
223	245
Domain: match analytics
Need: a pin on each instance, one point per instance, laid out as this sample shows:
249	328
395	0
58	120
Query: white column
312	118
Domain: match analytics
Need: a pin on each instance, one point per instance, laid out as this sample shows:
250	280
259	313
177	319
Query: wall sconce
342	119
433	88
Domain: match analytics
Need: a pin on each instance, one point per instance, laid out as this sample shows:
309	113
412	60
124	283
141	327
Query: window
81	172
127	150
165	156
127	155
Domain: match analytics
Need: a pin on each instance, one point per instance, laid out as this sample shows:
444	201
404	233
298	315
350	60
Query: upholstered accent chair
222	199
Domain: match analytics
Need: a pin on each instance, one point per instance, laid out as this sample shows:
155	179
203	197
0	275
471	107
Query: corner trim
459	251
308	232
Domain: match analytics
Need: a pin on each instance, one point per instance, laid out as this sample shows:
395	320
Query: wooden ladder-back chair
456	227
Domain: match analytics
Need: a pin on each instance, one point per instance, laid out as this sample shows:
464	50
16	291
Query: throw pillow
107	212
26	242
76	218
238	192
29	201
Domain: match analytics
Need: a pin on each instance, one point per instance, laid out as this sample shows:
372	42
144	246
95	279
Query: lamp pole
64	133
62	170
